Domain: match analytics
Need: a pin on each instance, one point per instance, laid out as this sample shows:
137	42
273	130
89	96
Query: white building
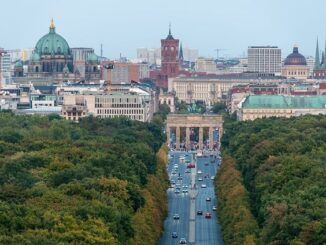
136	104
264	59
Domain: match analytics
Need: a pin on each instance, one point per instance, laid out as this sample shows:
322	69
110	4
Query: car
179	177
206	163
208	215
203	186
200	179
212	177
191	165
208	199
177	191
176	216
183	241
174	235
174	172
187	171
199	212
184	190
214	208
199	172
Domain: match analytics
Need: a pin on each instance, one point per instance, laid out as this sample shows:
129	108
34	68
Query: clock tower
169	56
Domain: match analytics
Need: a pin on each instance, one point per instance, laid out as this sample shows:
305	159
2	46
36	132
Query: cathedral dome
295	58
52	43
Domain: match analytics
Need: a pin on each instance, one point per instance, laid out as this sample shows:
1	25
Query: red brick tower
169	56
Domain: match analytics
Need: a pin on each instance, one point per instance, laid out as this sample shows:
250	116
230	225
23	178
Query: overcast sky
125	25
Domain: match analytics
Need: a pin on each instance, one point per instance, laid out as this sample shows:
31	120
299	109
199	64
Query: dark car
183	241
174	235
208	199
176	216
199	212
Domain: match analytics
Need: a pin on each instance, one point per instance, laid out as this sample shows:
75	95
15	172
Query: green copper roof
35	56
52	43
92	57
280	101
18	63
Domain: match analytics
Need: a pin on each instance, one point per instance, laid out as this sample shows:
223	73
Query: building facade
265	59
260	106
210	89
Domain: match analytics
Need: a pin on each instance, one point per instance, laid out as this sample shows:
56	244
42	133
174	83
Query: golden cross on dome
52	25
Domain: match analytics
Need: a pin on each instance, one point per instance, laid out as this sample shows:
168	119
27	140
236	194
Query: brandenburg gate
188	121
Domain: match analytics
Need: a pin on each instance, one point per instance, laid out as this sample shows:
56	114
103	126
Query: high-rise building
5	67
264	59
149	55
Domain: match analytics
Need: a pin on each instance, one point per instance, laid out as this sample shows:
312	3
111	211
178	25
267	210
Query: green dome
35	56
52	43
92	57
18	64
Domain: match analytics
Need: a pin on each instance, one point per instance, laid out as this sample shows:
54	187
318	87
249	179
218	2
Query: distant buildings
124	72
260	106
264	59
295	66
206	65
153	55
149	55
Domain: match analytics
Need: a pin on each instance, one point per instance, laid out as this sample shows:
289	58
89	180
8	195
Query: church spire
180	53
170	33
317	60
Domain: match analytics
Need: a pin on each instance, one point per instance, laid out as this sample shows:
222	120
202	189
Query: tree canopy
79	183
282	165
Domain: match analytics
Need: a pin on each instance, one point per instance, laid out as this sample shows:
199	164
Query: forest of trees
100	181
272	183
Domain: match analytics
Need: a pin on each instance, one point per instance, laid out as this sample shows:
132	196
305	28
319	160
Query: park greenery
99	181
271	186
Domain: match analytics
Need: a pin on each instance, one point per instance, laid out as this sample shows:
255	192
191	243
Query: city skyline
124	26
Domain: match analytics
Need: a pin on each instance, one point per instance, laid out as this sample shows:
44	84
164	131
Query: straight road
196	229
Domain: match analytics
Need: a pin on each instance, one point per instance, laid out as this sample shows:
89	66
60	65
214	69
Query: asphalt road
196	229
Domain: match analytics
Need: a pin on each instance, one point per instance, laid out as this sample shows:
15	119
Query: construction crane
218	51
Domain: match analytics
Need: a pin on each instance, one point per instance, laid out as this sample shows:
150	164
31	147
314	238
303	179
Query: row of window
133	117
118	106
115	100
120	111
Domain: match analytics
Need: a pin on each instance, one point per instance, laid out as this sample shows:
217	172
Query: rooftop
281	101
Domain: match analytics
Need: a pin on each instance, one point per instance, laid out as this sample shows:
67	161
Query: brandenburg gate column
201	138
187	138
211	138
177	138
168	135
